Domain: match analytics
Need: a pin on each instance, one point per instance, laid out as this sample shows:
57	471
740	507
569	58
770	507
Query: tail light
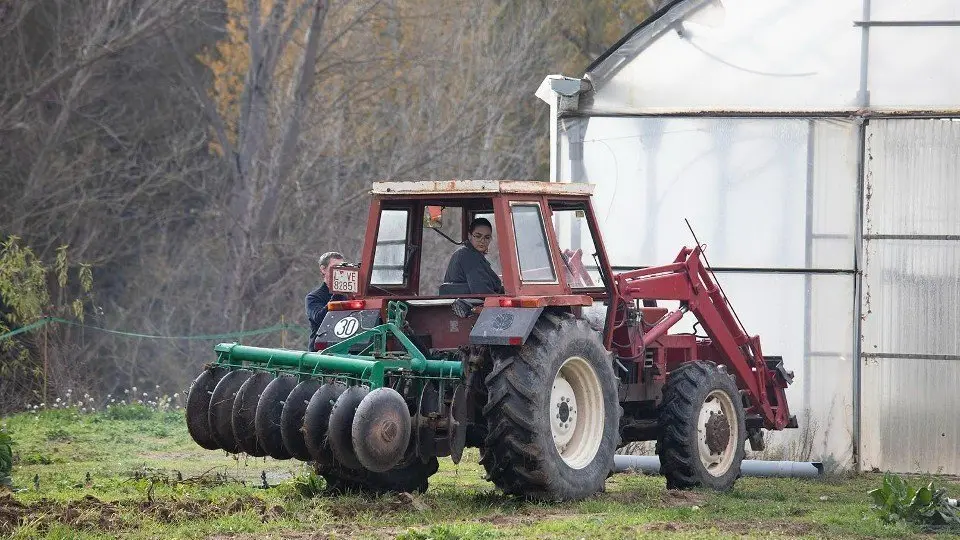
346	305
522	301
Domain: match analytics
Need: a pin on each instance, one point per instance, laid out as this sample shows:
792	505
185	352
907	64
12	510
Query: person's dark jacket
469	266
316	304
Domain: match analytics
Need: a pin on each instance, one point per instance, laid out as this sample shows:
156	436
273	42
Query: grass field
133	472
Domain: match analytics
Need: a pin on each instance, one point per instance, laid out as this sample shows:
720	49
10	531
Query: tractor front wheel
703	429
552	413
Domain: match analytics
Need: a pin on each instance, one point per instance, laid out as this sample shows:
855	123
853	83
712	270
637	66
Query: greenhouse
814	148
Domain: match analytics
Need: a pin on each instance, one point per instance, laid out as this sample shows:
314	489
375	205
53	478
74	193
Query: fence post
45	365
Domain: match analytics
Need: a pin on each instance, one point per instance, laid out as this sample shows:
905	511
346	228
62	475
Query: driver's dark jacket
469	266
316	305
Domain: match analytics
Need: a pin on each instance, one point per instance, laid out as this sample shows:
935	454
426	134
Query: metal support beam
858	257
807	263
904	24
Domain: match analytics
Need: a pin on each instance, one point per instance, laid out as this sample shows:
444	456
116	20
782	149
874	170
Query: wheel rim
576	412
717	433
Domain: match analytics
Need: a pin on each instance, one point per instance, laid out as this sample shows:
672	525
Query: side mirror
433	217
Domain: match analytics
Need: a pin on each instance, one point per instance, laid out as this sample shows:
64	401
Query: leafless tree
201	218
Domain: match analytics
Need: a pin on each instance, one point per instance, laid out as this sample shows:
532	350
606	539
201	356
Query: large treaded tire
410	477
519	454
684	396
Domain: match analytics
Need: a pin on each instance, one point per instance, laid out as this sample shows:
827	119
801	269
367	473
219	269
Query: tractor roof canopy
468	187
545	238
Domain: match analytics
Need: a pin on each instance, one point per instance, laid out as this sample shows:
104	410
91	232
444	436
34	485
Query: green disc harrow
369	404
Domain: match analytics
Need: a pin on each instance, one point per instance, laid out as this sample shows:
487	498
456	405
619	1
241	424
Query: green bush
58	434
897	500
25	292
444	532
129	412
310	485
6	459
35	458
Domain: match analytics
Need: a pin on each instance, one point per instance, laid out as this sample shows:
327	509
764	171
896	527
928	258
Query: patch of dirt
676	497
407	501
627	497
10	512
400	502
170	456
510	520
92	514
669	498
286	536
741	528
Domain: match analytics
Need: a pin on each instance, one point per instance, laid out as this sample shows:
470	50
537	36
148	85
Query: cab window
391	249
532	246
441	238
577	248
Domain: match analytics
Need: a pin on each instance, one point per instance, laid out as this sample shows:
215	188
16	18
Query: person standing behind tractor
469	268
316	301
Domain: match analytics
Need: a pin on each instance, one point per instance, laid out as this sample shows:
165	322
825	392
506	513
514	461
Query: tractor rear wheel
703	429
552	413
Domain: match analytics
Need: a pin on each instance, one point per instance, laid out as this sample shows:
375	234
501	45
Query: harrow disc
317	419
340	432
291	419
267	420
457	423
381	430
245	413
198	407
221	409
425	433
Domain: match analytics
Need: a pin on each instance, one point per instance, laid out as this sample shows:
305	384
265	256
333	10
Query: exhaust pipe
749	467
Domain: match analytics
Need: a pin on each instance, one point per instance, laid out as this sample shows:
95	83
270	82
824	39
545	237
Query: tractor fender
504	325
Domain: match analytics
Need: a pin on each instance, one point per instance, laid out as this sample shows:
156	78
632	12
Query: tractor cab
545	248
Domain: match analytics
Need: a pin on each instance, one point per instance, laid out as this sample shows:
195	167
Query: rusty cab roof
456	188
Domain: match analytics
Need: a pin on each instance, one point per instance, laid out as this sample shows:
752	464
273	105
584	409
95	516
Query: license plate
346	280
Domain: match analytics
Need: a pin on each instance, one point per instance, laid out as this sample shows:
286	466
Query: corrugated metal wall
910	392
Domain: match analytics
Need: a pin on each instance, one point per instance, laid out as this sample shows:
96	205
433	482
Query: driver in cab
469	271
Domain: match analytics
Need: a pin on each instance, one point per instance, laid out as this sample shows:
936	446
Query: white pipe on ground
749	467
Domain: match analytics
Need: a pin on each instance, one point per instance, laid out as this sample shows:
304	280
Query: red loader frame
687	280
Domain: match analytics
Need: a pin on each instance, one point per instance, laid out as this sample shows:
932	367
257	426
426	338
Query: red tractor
547	378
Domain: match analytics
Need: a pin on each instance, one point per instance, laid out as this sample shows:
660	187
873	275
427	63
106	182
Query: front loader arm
689	281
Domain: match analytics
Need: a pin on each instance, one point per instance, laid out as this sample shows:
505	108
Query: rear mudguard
504	326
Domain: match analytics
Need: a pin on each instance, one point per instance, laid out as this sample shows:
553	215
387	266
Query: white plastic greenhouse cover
815	147
784	55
